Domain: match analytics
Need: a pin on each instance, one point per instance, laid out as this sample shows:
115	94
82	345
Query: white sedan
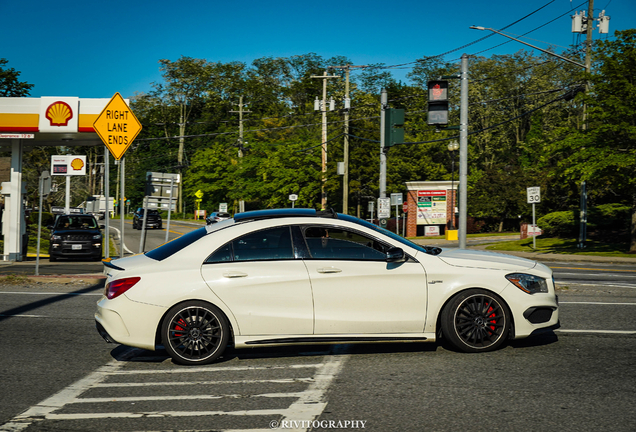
300	276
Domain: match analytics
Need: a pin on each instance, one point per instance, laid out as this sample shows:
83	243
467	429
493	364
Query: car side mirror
50	227
395	255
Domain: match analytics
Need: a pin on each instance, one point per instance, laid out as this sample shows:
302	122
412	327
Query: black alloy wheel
476	321
195	333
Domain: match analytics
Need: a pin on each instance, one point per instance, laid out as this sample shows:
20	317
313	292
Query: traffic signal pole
463	151
383	102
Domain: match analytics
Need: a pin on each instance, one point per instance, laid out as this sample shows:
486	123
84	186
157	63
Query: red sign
405	208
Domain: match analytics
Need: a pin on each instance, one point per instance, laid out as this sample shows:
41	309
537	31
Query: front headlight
97	237
528	283
56	237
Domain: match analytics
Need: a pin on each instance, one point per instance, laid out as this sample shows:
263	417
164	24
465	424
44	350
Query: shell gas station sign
117	126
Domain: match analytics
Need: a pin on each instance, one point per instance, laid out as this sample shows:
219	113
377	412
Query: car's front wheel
195	333
476	320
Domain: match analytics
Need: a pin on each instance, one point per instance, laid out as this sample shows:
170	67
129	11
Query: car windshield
76	222
386	232
150	212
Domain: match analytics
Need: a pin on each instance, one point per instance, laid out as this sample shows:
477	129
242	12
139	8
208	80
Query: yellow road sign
117	126
198	194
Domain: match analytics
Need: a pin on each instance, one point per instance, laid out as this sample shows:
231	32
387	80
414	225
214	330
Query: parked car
215	217
75	236
298	276
153	219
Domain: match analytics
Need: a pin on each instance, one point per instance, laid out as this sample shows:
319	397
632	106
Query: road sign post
534	196
117	127
384	211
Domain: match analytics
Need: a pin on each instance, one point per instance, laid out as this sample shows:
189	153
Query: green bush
559	224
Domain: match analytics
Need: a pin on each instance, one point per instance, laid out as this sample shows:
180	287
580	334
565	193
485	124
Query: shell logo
77	164
59	113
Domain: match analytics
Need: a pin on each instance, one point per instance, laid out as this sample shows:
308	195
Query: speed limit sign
534	195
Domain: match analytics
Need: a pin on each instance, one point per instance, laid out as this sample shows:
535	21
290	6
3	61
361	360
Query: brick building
431	207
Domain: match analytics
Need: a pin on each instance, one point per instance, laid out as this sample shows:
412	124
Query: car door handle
234	275
329	270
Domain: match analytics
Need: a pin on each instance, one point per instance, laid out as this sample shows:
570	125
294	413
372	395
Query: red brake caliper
493	320
179	327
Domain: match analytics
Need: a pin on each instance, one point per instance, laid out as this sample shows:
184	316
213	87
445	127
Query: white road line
313	401
24	316
119	238
308	406
185	397
597	303
64	396
598	285
192	383
156	414
213	369
621	332
605	275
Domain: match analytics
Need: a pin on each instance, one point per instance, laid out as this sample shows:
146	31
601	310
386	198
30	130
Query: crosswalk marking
305	405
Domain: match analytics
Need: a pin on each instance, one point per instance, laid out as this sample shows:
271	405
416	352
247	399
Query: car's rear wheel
195	333
476	320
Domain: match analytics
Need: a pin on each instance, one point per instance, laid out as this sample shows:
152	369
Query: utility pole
182	109
384	100
463	151
588	55
347	107
240	142
323	109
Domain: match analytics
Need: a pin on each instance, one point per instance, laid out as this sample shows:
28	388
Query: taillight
117	287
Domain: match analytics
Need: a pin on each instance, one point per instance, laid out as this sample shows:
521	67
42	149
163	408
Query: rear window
174	246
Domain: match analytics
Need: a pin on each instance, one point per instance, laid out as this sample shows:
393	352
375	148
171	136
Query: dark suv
76	236
153	219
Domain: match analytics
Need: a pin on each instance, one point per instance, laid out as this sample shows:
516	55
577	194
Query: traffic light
438	102
393	132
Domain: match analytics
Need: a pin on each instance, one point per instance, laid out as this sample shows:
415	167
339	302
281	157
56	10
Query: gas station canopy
53	121
45	121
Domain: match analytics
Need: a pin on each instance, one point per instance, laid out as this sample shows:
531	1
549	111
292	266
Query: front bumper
76	250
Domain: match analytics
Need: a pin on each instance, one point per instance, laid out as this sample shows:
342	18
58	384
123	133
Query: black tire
195	333
52	258
476	320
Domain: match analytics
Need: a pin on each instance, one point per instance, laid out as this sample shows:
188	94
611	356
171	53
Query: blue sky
93	49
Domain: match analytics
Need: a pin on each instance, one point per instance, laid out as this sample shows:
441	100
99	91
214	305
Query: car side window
338	243
268	244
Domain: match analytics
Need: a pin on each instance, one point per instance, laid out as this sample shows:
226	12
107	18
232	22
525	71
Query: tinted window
269	244
76	222
174	246
336	243
383	231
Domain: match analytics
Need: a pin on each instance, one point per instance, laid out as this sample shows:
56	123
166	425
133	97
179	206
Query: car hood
482	259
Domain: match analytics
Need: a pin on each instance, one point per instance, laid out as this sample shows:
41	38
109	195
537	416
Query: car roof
282	213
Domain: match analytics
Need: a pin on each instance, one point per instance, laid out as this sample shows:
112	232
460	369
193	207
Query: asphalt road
61	376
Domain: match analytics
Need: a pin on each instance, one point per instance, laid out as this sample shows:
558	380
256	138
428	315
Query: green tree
604	154
10	86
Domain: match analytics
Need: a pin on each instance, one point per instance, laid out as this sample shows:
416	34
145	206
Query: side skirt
245	341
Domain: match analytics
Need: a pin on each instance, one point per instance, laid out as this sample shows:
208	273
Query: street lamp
453	146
